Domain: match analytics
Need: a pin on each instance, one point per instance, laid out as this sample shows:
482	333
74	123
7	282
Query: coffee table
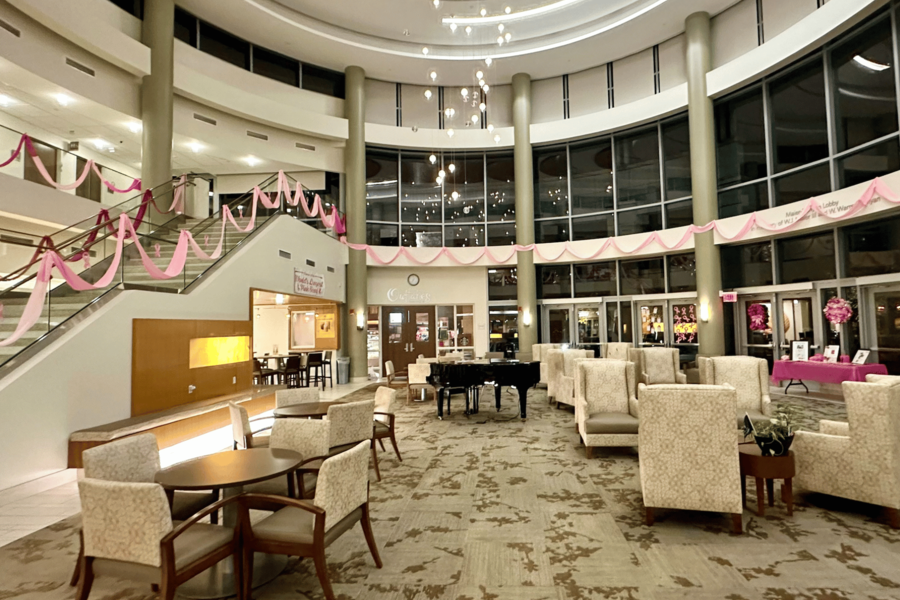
305	410
768	468
230	471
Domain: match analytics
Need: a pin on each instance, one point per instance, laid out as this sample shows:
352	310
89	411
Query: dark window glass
740	138
381	186
640	221
322	81
502	283
132	7
47	154
595	279
225	46
465	177
501	234
743	200
679	214
501	188
554	281
461	236
591	170
806	258
637	168
276	66
556	230
551	196
677	153
381	234
612	321
91	188
799	124
420	200
869	163
627	335
807	183
872	248
593	227
421	236
642	277
865	103
186	27
504	322
747	265
682	272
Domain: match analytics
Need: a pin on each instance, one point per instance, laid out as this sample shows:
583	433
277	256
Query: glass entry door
884	327
798	320
755	324
407	332
558	324
655	323
590	329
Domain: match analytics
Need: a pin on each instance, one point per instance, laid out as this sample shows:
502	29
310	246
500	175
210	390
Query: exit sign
728	296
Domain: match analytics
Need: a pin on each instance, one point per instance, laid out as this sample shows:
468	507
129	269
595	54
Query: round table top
305	409
755	464
229	469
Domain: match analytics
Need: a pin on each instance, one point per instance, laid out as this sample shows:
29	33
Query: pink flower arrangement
759	317
838	311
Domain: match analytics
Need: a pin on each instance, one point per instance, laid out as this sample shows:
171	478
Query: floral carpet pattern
492	508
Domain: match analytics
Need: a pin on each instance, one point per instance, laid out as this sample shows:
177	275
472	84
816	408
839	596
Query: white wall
84	378
270	329
42	204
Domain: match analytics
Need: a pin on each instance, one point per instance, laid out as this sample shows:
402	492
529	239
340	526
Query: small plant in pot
774	437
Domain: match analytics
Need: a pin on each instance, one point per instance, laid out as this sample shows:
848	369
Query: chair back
888	379
240	424
418	373
873	410
261	364
296	396
605	385
426	361
328	356
384	399
304	361
343	483
131	459
124	521
292	363
524	356
539	351
389	371
659	364
315	359
746	374
451	358
421	356
351	422
617	350
308	437
490	355
569	358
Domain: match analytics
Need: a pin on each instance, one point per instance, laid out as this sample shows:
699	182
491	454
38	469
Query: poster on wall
309	283
800	350
325	326
303	329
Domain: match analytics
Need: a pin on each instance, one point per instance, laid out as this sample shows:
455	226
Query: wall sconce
526	318
360	321
704	312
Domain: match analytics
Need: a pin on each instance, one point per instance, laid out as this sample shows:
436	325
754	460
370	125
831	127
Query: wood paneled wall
160	373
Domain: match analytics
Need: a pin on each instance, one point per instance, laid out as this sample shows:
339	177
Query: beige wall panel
381	100
671	63
734	32
546	100
587	92
417	111
779	15
633	77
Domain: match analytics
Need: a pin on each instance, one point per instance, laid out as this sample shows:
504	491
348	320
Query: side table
768	468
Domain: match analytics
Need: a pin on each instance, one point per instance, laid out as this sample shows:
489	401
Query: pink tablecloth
824	372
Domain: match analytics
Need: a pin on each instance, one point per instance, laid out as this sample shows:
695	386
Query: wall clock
413	279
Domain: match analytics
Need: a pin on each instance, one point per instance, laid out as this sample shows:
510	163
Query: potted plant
775	436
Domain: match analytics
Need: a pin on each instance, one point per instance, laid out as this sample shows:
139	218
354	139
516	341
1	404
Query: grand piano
470	376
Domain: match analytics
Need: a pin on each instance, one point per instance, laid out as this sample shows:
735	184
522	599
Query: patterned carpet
493	508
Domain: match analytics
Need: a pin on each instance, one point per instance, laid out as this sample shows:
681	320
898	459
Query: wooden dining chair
296	396
384	426
315	369
292	371
326	370
351	423
262	371
242	432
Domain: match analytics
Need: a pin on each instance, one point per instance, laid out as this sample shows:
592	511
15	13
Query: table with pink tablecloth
798	370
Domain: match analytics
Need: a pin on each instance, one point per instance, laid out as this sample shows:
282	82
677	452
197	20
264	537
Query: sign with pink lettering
308	283
728	296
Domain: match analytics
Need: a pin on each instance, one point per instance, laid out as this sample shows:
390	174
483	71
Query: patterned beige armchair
128	533
296	396
303	528
859	460
555	360
564	386
889	379
539	353
351	423
689	453
657	365
606	410
418	380
746	374
616	350
384	418
242	432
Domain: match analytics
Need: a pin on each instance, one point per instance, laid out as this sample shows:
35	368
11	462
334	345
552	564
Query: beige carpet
491	508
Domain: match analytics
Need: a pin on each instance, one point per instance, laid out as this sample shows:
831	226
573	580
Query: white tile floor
32	506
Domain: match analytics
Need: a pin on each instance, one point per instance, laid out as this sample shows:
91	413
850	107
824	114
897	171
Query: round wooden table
768	468
230	471
305	410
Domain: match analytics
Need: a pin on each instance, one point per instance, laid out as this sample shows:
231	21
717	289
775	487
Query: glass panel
421	201
461	236
637	168
395	325
591	167
743	200
627	329
682	272
276	66
501	234
373	339
423	326
421	236
185	27
680	214
748	265
588	325
799	124
558	321
797	319
872	248
504	327
740	138
865	165
814	181
759	322
806	258
464	189
677	153
379	234
91	187
556	230
47	154
595	279
765	353
551	195
502	283
222	44
593	227
612	321
887	329
501	188
446	334
851	328
133	7
322	81
641	220
465	325
684	323
381	186
554	281
832	337
653	324
865	105
642	277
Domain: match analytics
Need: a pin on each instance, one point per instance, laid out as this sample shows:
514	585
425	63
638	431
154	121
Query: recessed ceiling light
436	3
500	40
474	119
251	161
425	51
500	27
481	82
451	167
872	65
490	128
442	174
482	107
497	138
134	126
464	92
432	159
486	88
507	36
455	195
195	147
6	100
99	144
63	100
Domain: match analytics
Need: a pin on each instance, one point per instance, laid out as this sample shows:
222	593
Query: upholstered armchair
657	365
890	379
539	353
127	533
564	386
305	528
296	396
418	380
389	373
616	350
384	418
746	374
859	460
606	410
242	432
351	423
689	453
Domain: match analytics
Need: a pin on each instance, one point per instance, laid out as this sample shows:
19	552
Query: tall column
158	32
525	289
703	185
355	201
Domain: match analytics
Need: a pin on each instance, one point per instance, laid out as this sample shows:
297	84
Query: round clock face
413	279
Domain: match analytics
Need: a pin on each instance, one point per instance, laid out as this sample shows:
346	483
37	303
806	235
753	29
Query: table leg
770	487
787	495
497	390
440	403
744	491
523	395
760	497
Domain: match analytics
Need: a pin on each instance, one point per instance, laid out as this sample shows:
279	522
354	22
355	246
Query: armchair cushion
343	484
617	350
746	374
130	459
350	422
381	428
294	525
610	422
607	389
187	504
296	396
834	427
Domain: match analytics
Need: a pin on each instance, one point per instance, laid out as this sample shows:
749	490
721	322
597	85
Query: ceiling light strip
524	14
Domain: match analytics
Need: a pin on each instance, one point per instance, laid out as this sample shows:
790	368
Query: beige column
526	289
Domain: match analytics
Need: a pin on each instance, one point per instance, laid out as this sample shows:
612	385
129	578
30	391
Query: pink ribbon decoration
206	240
241	212
156	250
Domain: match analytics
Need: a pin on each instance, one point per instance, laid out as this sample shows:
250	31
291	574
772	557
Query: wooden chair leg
375	460
370	538
238	559
77	572
87	578
394	444
247	566
154	587
737	524
894	518
648	516
381	443
589	451
322	572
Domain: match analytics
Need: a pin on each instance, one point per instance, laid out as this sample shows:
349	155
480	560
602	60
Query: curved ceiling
388	37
